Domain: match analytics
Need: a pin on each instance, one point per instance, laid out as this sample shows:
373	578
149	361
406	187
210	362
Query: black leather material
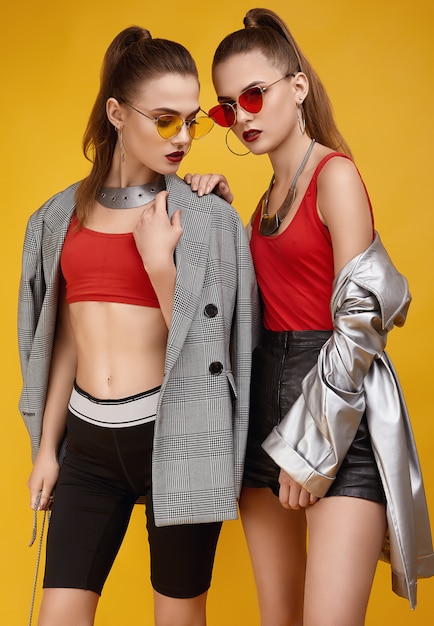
280	362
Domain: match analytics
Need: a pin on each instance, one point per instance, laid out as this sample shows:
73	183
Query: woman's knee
69	607
179	611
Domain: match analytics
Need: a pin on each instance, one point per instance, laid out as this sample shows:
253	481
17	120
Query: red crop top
295	269
104	267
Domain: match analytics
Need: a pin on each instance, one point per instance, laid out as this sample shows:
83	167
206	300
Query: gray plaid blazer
202	417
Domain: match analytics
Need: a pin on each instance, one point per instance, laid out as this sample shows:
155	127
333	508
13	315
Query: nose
183	135
243	115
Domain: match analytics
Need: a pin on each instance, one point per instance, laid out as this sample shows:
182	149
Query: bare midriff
120	348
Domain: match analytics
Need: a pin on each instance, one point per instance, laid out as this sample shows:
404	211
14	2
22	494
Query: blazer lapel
191	256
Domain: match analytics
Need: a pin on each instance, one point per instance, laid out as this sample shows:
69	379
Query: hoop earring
301	118
230	149
121	144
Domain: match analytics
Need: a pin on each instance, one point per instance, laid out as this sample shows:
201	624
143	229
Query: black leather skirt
280	363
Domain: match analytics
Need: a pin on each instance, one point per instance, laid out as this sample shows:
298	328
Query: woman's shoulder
337	174
330	163
51	217
63	201
211	202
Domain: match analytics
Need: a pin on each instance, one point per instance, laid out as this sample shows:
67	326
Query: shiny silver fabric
354	375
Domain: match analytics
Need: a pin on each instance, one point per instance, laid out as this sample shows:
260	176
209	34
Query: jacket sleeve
313	438
37	303
30	294
30	345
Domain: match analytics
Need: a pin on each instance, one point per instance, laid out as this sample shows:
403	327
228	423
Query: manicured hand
204	184
156	235
42	481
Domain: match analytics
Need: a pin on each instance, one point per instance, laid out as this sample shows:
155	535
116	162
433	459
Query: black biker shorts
105	471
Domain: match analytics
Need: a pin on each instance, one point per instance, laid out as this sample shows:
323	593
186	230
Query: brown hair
261	28
132	58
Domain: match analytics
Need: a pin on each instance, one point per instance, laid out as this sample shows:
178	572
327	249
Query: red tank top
104	267
295	269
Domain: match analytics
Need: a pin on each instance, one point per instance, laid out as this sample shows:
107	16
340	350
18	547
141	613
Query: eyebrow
168	111
255	83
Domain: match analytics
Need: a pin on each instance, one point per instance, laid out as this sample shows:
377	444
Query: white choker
129	197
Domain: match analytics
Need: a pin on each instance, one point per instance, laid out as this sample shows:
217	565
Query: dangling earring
230	149
121	144
301	118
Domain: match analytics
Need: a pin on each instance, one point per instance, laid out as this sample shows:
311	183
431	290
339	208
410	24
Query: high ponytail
132	58
266	32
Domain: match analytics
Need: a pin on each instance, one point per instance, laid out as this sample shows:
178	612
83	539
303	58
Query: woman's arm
343	206
156	236
62	374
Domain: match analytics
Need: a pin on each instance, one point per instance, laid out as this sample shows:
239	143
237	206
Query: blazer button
216	368
210	310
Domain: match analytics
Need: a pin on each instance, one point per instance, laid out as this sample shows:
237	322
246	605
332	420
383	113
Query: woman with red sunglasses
330	448
135	332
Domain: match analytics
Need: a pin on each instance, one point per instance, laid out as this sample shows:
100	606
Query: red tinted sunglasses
251	100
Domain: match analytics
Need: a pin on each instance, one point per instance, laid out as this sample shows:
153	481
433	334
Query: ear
301	87
115	112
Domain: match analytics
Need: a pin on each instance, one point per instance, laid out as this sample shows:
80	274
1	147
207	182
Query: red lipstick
175	157
251	135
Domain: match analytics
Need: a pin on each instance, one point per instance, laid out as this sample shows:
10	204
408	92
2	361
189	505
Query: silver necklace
129	197
269	224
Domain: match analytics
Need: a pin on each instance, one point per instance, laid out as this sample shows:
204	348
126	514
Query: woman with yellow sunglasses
330	447
135	331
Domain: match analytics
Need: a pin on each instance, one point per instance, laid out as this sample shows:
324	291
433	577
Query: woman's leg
182	559
68	607
90	515
180	611
276	539
345	538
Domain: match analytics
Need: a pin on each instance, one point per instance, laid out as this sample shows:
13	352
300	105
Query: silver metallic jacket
354	375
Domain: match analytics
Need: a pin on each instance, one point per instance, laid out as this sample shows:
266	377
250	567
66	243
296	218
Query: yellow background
376	59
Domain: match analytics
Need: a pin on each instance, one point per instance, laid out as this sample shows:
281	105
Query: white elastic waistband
119	413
